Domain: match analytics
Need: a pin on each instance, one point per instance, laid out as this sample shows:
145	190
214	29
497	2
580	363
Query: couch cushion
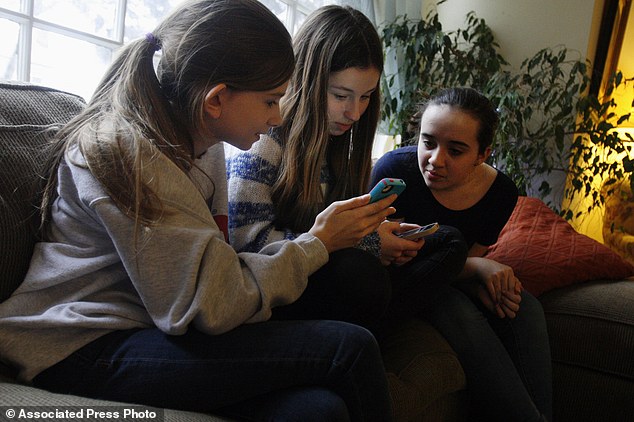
29	116
546	252
28	104
591	325
423	371
591	330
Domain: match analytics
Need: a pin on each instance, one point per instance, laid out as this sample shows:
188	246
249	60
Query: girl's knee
353	342
531	311
454	240
324	405
312	404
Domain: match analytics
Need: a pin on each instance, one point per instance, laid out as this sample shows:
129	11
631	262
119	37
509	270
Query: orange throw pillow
546	252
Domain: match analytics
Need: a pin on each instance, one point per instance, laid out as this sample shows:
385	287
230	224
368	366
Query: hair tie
154	42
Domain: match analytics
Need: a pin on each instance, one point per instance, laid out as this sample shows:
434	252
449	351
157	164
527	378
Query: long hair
332	39
471	102
203	43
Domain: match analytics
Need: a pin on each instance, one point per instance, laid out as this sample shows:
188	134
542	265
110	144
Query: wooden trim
613	25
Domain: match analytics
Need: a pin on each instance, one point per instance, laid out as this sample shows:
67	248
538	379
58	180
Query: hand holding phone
419	232
385	187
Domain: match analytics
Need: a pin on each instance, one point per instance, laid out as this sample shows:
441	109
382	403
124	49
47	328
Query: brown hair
332	39
473	103
205	42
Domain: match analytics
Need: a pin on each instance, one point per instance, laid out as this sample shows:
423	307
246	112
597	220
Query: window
67	44
293	12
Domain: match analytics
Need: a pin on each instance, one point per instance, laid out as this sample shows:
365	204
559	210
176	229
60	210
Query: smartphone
416	234
386	187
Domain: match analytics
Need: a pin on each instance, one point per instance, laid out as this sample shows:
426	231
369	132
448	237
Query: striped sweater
251	176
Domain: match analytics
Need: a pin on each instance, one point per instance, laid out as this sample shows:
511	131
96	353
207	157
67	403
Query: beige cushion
422	369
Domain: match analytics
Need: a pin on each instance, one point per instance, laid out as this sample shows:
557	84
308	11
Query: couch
590	322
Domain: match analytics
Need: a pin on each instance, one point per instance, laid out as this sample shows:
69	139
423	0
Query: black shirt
480	223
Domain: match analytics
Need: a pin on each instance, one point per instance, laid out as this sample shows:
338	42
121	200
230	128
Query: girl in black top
496	328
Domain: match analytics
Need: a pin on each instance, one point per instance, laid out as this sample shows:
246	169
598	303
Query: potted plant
549	123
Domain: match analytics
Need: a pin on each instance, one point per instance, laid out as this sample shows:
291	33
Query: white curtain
365	6
388	10
379	12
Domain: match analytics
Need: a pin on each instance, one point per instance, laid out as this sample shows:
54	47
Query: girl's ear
214	100
483	157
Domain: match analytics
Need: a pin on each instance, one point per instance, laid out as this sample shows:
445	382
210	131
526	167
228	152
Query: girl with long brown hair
321	153
134	293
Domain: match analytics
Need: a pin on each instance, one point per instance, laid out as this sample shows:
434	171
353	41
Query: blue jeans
438	263
276	370
506	361
353	286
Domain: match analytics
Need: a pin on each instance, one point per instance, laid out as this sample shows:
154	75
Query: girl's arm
178	271
251	176
185	272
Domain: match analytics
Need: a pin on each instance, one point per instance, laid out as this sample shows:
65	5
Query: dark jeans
276	370
506	361
353	286
438	263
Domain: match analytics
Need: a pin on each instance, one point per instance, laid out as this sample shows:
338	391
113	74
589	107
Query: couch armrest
29	115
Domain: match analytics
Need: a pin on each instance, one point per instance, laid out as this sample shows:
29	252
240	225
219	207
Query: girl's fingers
510	303
492	293
363	200
512	296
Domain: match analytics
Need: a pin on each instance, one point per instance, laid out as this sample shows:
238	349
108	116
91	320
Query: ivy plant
549	122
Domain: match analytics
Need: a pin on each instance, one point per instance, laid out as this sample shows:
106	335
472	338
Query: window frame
28	23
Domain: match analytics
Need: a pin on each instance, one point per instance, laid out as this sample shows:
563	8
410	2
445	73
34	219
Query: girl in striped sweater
321	154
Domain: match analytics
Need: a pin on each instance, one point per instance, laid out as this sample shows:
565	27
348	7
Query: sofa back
29	116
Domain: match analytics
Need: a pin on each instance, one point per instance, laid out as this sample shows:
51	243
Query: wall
625	97
524	27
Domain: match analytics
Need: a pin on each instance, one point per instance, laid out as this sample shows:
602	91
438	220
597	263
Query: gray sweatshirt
92	278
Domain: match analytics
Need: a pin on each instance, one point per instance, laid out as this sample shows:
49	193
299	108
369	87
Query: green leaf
548	121
623	119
